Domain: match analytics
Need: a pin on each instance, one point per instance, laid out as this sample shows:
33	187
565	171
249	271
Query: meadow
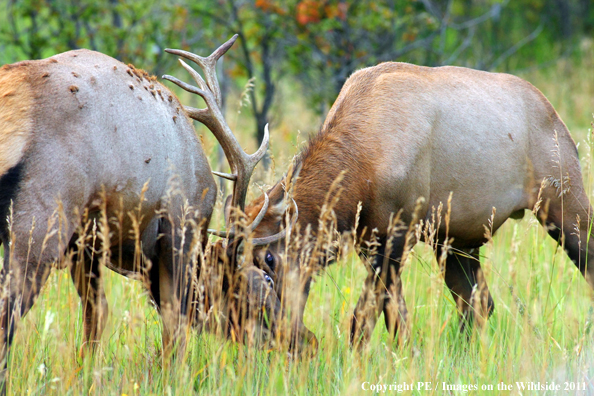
540	332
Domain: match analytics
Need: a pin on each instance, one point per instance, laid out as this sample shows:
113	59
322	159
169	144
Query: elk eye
269	260
269	280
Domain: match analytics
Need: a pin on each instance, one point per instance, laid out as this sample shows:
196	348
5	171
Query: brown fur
344	147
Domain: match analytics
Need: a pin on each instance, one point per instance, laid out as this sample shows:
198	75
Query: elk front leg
23	275
302	340
19	294
568	218
170	283
86	276
174	334
464	277
382	292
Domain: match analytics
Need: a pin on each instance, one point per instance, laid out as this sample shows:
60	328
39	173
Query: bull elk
242	166
405	138
113	149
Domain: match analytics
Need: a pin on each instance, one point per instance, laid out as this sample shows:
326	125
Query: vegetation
541	330
317	43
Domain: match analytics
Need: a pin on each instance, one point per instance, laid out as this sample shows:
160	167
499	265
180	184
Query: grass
541	329
539	332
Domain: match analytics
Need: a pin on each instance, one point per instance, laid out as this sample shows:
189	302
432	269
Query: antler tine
280	235
251	227
183	85
208	65
225	175
201	115
261	152
198	78
261	214
211	59
244	169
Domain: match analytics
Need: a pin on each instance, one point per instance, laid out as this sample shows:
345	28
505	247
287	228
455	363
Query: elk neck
336	155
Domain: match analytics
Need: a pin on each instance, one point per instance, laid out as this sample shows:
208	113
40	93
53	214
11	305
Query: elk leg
382	291
86	276
174	336
395	312
302	340
172	289
365	313
561	218
30	247
464	277
20	283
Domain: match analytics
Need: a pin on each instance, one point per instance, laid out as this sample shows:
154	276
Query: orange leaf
308	11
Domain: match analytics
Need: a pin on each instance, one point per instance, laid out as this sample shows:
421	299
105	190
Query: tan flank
16	123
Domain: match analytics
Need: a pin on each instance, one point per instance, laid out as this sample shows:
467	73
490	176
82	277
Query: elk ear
281	193
277	199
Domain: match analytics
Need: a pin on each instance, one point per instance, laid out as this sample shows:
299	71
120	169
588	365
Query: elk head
282	257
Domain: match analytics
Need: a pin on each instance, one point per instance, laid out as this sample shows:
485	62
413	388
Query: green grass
540	331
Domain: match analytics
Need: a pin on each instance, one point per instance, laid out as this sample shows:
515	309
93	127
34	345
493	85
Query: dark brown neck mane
333	153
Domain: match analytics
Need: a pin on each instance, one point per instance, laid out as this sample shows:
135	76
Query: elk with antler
401	139
242	165
113	150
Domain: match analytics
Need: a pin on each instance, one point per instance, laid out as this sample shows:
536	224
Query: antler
231	233
242	164
279	235
290	180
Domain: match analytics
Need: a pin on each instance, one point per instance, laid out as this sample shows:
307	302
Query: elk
404	139
92	147
242	166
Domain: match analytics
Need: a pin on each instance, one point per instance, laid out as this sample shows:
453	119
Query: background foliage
313	44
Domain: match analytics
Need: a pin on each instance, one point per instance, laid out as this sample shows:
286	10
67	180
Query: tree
335	37
133	32
261	53
317	42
